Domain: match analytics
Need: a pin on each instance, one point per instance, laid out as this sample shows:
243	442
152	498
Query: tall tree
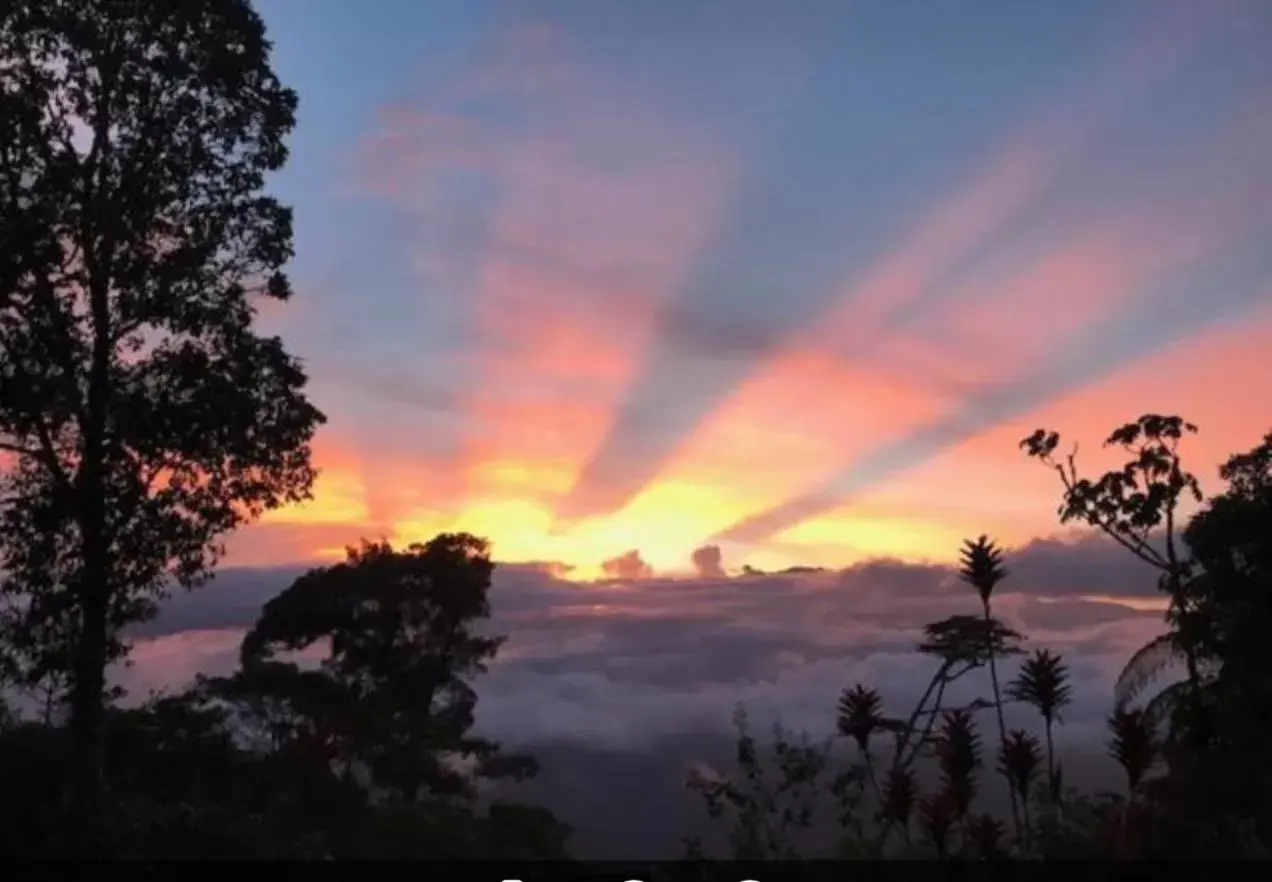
141	414
1231	542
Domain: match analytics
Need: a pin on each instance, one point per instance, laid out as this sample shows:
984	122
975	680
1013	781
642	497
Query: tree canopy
142	414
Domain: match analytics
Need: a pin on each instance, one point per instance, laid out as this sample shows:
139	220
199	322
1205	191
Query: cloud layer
625	663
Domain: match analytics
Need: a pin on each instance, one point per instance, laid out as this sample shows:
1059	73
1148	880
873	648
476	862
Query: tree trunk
87	709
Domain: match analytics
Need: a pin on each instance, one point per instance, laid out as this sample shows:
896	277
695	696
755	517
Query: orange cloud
986	484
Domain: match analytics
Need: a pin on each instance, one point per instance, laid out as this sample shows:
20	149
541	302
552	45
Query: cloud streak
636	279
706	348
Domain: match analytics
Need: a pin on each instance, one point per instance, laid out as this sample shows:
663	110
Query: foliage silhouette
1043	682
392	695
143	418
958	751
145	415
1019	759
1133	745
1195	755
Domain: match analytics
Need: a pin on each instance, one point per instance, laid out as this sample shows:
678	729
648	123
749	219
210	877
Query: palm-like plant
1133	745
1043	682
982	568
1019	759
958	751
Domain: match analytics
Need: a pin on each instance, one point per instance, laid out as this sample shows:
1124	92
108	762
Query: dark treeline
143	418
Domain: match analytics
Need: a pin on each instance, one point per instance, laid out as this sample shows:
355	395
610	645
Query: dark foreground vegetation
142	419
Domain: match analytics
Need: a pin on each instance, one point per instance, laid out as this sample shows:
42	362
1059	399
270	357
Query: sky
658	290
589	278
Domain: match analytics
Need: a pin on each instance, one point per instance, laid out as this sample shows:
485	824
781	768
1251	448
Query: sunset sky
793	278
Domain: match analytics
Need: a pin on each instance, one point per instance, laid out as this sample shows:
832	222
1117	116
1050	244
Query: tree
1136	504
1230	540
142	416
392	696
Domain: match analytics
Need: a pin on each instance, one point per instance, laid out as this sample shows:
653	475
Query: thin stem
998	707
1051	761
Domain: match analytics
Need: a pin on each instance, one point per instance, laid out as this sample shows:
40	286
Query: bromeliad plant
1214	573
880	805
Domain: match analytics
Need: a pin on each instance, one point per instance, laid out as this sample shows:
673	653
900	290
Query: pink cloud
628	566
594	221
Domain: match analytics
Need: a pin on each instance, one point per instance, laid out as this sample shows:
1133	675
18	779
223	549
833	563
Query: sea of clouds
623	663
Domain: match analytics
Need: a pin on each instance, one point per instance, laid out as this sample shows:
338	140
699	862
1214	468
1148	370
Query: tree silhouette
1231	599
145	416
392	694
1043	682
1130	503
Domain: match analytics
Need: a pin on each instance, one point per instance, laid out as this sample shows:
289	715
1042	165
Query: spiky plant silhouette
1133	745
936	820
899	798
958	751
860	715
1043	682
986	837
982	568
1019	760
